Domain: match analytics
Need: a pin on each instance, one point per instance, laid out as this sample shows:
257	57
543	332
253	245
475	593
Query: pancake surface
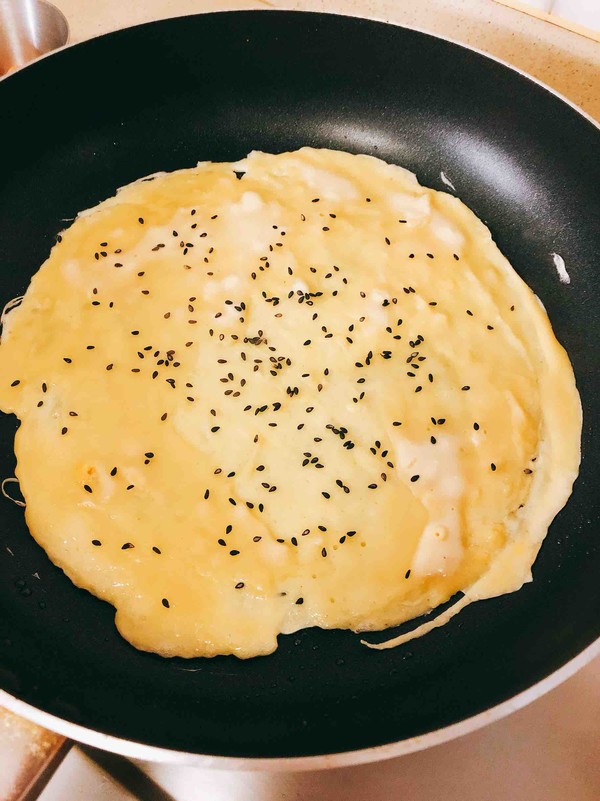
311	394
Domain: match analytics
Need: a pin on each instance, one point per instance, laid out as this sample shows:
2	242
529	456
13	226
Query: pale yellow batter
311	394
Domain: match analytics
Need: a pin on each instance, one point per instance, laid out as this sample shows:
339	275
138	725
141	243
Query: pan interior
212	87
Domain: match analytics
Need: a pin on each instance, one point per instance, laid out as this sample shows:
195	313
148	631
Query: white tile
583	12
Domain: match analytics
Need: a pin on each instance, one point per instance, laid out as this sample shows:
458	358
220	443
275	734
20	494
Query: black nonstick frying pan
79	124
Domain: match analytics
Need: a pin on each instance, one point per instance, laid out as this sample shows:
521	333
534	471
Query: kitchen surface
547	751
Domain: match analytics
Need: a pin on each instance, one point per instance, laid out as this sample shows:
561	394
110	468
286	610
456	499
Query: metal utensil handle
29	756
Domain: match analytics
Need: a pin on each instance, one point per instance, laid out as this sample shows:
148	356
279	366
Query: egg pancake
297	390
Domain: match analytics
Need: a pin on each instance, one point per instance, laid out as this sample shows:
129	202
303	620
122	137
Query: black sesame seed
96	543
165	603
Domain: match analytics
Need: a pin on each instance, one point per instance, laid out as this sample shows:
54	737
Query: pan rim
361	756
135	750
300	12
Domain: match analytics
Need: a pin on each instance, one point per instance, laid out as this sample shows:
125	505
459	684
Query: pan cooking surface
166	95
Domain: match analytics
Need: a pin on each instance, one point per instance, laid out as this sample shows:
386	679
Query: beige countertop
546	752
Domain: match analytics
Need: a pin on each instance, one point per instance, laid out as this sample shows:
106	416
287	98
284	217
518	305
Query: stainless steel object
28	29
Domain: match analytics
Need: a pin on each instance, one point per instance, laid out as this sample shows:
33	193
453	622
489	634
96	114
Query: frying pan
163	96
